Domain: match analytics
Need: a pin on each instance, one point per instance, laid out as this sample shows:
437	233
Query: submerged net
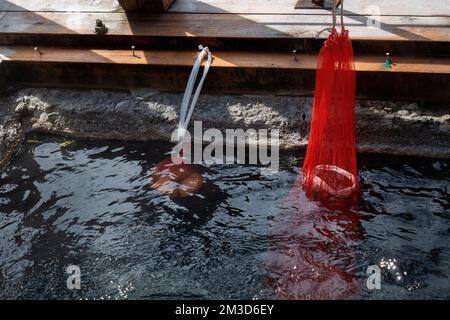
330	169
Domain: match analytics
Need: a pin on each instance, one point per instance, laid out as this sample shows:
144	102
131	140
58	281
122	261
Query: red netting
330	165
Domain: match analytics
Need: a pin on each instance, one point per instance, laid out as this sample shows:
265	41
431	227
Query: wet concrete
400	128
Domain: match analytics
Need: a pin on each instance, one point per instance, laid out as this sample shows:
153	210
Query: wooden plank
415	79
60	6
389	86
226	59
393	28
360	7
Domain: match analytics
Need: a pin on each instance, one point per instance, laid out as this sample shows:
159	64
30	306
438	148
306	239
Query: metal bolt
295	54
388	57
388	62
38	50
100	27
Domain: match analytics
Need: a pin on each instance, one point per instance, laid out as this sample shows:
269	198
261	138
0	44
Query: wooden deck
249	37
67	20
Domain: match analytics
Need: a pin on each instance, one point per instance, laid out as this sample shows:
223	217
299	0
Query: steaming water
91	204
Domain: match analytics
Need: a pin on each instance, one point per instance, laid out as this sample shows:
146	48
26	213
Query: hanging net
330	169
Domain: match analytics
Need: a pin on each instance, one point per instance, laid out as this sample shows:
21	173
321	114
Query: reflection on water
243	236
313	248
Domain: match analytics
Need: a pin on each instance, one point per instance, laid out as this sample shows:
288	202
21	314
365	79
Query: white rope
335	14
185	112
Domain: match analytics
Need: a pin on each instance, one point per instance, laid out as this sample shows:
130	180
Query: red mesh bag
313	243
330	169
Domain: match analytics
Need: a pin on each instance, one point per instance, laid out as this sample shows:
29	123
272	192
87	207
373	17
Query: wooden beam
60	6
397	34
393	28
146	5
438	8
223	59
412	78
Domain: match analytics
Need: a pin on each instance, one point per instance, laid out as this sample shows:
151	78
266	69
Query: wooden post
146	5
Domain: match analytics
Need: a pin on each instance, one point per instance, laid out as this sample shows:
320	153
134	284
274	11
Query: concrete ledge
11	136
398	128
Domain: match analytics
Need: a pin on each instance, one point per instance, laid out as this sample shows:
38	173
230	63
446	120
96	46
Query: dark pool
245	236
